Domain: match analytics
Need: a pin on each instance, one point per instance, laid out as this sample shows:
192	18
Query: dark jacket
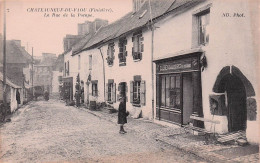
122	113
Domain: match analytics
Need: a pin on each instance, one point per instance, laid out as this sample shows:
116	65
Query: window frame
137	40
137	92
95	89
109	92
195	25
122	51
205	13
110	54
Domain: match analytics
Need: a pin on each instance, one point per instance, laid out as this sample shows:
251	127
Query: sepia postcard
129	81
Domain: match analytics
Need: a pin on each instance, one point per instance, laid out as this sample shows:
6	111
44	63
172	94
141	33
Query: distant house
57	75
18	66
14	94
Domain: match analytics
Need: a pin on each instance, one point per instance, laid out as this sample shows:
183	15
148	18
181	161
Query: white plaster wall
132	68
230	43
96	73
73	65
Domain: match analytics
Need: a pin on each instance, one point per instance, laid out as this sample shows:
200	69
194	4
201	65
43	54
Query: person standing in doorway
122	114
77	97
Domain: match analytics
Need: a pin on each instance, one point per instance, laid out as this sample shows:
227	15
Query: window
110	54
203	24
122	51
137	91
170	91
138	46
111	91
79	62
94	89
67	68
90	62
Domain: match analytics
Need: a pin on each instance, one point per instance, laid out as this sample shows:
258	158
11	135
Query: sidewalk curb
208	156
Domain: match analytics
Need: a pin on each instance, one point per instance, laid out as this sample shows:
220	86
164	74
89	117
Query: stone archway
240	104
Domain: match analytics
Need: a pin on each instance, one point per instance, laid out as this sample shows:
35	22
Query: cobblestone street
50	131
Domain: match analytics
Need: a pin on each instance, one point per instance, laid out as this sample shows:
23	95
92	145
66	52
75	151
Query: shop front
178	88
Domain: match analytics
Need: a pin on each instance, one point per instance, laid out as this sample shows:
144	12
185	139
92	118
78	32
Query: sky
33	21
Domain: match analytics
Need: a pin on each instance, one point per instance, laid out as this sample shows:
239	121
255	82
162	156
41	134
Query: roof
133	21
15	53
9	82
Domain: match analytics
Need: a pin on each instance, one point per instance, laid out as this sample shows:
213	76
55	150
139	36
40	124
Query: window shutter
125	41
141	38
124	49
106	92
195	32
114	92
119	87
118	96
133	38
131	91
142	47
126	88
142	92
133	51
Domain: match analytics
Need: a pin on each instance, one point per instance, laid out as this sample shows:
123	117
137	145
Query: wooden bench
202	130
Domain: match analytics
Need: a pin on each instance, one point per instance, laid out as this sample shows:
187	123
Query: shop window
138	46
111	91
170	91
122	51
110	54
95	89
137	92
201	22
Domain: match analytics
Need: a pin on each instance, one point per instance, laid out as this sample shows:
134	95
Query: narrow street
50	132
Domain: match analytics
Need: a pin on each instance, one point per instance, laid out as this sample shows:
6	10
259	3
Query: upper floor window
122	51
203	23
79	62
90	62
200	26
110	54
138	46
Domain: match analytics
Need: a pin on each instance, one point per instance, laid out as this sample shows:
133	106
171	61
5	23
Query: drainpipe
152	49
103	72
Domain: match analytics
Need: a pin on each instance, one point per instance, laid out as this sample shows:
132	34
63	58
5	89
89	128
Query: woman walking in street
122	114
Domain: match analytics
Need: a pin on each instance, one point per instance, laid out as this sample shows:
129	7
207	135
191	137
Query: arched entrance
236	102
237	88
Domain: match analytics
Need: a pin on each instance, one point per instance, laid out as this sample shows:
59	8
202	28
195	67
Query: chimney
137	4
84	28
98	23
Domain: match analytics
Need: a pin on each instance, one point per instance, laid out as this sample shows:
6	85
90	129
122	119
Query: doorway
187	97
122	89
236	102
